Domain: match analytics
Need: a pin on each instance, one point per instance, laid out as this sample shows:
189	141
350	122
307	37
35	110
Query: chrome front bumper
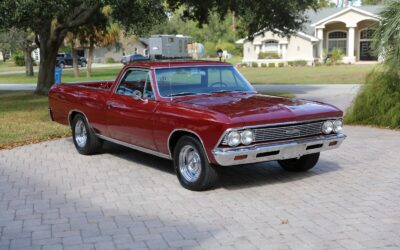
276	151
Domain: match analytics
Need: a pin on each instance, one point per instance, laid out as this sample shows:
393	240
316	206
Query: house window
367	34
271	46
337	40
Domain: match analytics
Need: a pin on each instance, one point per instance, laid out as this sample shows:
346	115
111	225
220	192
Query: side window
133	80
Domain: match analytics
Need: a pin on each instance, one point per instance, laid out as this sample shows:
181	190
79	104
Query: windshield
200	80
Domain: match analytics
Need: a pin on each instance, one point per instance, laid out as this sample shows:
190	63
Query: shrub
18	58
268	55
281	65
263	65
109	60
210	48
378	102
254	65
271	65
300	63
336	56
291	63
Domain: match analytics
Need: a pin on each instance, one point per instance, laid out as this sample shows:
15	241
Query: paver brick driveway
53	198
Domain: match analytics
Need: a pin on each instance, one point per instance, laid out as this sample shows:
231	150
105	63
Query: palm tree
387	37
106	37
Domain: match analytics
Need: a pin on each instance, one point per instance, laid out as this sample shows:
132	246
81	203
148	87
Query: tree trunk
28	61
90	59
4	55
49	45
75	65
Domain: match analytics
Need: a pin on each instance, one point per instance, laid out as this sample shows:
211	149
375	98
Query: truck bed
105	85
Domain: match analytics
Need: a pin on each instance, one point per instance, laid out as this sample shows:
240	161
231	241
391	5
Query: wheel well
72	115
174	138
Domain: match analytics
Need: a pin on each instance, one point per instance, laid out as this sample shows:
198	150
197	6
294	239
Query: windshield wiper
182	94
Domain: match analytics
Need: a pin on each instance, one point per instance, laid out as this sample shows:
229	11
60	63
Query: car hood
255	109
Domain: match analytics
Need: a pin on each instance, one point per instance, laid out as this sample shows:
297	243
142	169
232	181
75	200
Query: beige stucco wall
342	27
301	48
297	48
127	45
343	22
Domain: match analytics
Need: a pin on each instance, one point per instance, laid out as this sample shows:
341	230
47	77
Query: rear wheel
304	163
191	165
83	64
85	140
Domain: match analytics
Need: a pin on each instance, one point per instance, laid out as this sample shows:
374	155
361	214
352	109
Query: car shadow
138	157
267	173
230	178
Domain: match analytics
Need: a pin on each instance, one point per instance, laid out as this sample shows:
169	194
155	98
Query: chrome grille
285	132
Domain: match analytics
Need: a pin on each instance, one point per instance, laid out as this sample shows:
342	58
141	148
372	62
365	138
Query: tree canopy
387	37
51	20
253	15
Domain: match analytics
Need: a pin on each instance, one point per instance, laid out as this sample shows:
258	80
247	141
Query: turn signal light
240	157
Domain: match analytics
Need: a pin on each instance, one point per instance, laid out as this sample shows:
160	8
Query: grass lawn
108	73
24	119
308	75
10	66
287	75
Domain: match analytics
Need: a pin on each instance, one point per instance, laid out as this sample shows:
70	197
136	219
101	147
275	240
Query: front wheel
191	165
304	163
83	64
85	140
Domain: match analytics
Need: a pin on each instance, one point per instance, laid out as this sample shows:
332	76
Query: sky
353	3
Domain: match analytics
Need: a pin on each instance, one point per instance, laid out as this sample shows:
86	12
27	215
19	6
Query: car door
129	120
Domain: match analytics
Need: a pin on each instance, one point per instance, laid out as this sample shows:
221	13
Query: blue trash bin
57	75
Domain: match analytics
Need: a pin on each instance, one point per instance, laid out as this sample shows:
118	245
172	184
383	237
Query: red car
200	114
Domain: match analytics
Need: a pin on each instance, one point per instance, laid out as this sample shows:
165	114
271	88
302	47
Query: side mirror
137	95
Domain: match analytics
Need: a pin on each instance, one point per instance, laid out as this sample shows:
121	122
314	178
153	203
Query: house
349	29
126	46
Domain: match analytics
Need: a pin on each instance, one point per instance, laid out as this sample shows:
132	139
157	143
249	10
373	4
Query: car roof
175	63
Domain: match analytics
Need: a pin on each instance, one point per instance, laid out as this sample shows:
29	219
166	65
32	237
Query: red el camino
200	114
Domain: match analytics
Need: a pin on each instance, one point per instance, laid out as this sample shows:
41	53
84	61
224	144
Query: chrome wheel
80	133
189	163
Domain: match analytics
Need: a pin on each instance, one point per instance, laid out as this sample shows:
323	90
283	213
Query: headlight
337	126
233	139
327	127
246	137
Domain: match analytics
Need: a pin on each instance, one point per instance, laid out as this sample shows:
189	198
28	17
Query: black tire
61	65
93	144
208	175
304	163
83	64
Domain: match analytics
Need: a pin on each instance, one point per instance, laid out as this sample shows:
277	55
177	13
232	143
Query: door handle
109	106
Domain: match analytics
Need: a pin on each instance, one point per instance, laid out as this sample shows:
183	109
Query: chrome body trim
189	131
276	151
78	111
51	114
272	125
145	150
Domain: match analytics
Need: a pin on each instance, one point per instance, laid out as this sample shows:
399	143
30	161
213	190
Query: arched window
367	34
270	46
337	40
